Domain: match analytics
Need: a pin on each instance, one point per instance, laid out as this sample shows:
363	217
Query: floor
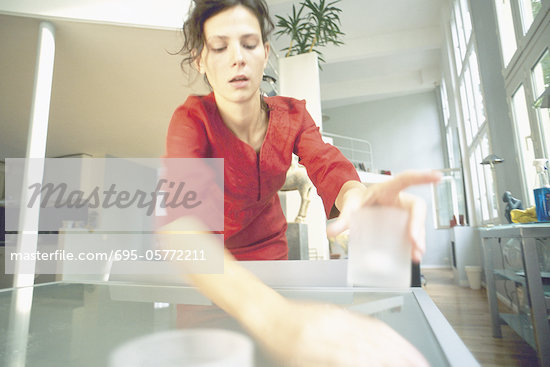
467	311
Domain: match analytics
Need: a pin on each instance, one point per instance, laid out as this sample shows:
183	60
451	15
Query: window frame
472	121
518	73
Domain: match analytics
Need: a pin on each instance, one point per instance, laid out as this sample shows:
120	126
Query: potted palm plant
314	24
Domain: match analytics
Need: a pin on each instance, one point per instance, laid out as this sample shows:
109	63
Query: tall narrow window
473	119
541	81
508	42
456	51
466	21
474	176
529	10
445	103
476	90
488	173
525	143
466	119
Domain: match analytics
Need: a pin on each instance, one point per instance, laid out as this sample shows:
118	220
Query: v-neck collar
228	132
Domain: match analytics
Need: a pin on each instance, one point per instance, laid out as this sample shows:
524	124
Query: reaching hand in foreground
294	333
354	195
319	335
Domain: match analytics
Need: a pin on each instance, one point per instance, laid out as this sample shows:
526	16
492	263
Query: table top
81	324
517	230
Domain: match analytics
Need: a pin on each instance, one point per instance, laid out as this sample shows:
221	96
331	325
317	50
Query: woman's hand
311	334
355	195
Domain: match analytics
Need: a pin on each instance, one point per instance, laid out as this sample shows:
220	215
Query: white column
299	78
36	149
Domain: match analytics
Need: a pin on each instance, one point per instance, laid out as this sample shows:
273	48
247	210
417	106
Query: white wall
405	134
158	14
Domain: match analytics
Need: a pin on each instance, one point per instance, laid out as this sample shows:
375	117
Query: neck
246	120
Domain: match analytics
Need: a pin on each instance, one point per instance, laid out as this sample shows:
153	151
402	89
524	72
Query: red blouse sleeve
326	166
186	137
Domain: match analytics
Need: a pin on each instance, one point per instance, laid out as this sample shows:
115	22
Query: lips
239	78
239	81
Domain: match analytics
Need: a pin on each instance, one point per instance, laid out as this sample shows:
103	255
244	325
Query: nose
238	57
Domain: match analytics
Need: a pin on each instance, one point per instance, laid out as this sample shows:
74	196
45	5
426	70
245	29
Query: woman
257	136
226	41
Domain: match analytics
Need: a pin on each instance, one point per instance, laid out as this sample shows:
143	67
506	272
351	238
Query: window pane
452	148
466	19
476	83
523	131
457	158
470	98
493	197
460	30
465	113
529	10
475	187
506	29
456	44
482	185
541	81
488	174
544	118
444	103
541	74
461	199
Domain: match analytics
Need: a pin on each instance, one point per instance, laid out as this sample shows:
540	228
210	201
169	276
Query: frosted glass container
186	348
379	253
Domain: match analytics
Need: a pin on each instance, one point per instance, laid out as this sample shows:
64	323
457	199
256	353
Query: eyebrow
245	36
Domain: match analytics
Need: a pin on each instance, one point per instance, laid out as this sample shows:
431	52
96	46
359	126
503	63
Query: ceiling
115	86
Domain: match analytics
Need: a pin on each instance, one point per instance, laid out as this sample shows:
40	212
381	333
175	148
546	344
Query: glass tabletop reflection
76	324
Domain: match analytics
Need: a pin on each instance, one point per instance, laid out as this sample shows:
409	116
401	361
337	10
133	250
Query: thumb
343	221
338	226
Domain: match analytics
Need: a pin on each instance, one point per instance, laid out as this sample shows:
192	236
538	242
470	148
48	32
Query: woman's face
234	56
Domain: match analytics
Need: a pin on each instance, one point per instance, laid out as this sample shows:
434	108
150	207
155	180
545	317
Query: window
448	200
524	139
466	21
457	52
472	120
476	90
526	78
445	103
528	10
541	81
508	42
448	195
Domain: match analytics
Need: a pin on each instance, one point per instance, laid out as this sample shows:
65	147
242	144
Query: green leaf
315	24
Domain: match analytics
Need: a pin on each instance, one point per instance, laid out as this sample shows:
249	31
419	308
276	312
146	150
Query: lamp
544	100
491	160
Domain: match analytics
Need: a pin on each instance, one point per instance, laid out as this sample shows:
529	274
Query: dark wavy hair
201	10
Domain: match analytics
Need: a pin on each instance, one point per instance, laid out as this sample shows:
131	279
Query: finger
352	205
411	178
343	221
336	227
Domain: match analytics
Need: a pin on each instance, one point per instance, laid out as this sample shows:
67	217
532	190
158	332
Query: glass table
81	324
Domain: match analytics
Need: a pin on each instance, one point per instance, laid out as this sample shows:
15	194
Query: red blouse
254	225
